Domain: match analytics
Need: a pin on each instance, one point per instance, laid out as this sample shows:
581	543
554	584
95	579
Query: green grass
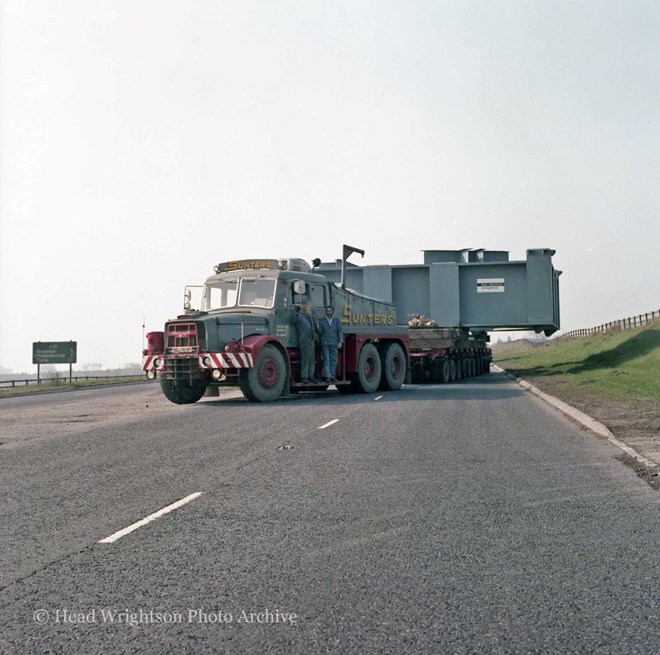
614	365
63	384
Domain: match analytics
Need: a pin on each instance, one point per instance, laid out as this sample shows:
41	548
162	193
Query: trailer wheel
452	370
183	393
369	368
446	372
459	368
464	368
393	365
472	367
266	381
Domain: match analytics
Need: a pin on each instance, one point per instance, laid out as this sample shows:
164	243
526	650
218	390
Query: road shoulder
633	430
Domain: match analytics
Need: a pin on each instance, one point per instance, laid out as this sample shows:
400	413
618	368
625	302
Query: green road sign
54	352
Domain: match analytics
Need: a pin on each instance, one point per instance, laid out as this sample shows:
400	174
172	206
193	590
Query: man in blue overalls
307	344
332	339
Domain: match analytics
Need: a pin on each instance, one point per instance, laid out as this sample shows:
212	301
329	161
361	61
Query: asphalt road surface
468	518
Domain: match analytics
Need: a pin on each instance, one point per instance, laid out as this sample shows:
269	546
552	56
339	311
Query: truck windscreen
220	295
245	292
257	293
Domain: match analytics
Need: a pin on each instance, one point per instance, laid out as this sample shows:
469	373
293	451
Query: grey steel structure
480	290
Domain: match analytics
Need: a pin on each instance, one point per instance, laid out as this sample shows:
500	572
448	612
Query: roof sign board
246	265
54	352
490	285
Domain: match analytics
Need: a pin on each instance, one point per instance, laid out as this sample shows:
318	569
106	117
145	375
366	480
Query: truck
244	334
244	331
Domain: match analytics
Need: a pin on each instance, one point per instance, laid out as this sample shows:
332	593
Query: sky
143	142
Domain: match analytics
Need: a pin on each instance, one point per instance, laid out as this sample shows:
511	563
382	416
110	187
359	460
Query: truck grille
180	368
182	345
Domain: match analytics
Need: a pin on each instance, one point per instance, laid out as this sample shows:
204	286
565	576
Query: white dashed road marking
327	425
152	517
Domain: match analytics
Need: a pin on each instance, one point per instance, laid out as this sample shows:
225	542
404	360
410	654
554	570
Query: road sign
54	352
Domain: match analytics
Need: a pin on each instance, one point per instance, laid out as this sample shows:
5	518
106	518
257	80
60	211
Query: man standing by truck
307	344
332	339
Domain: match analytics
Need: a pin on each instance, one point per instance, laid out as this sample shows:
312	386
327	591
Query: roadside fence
621	324
4	384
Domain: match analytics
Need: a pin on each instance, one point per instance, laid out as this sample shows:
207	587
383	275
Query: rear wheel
369	369
182	392
267	380
452	371
393	366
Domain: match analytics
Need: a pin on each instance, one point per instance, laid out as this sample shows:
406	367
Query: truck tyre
446	372
369	369
183	393
393	365
465	371
267	379
459	368
452	370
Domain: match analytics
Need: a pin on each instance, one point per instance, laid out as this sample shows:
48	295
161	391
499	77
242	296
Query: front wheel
183	393
267	379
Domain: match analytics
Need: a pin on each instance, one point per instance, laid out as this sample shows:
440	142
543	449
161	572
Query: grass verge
610	366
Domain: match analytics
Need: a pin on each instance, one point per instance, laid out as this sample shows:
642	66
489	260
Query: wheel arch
254	345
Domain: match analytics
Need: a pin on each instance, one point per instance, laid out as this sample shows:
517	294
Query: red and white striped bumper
226	360
149	362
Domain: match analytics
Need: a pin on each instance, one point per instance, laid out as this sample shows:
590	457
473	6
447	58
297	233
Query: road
462	519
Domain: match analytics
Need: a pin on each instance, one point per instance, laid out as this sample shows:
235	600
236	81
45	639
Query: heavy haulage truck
244	333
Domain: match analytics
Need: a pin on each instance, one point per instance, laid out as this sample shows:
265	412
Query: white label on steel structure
490	285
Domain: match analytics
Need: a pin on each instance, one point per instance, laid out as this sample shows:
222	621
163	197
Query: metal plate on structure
54	352
490	285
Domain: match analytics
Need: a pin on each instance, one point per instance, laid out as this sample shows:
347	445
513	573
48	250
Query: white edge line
377	397
327	425
152	517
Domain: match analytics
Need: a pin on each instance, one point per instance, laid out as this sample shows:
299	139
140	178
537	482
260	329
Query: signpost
54	352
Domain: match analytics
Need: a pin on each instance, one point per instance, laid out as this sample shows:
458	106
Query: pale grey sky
143	142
